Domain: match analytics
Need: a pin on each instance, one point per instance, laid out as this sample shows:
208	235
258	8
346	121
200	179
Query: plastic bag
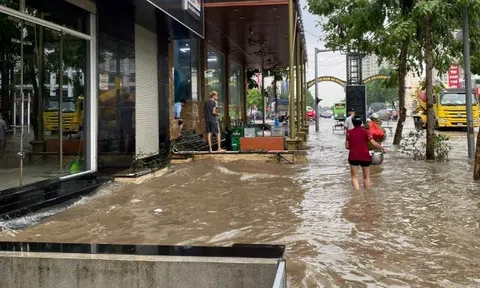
376	131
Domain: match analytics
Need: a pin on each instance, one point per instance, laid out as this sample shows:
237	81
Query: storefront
236	87
216	80
148	59
107	68
186	78
47	60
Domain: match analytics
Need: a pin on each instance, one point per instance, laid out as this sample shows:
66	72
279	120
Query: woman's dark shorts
360	163
212	127
179	121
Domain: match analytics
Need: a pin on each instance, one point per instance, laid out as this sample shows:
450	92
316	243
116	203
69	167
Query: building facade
115	71
117	65
371	66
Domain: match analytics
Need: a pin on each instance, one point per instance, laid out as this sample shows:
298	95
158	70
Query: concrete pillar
293	143
227	90
300	133
202	97
304	89
244	100
171	88
304	112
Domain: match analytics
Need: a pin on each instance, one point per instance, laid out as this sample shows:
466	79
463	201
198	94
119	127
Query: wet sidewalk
418	226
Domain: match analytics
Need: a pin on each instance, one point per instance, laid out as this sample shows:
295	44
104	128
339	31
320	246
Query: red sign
454	77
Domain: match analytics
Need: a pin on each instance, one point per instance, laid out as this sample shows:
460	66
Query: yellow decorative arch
326	79
375	77
342	83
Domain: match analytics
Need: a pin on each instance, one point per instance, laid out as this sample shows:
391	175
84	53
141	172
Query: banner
454	77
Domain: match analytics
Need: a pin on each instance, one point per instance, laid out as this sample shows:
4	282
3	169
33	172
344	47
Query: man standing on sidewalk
211	121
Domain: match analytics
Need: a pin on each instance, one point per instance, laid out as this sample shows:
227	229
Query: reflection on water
418	226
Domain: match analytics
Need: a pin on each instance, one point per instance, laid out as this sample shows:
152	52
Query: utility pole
317	116
317	122
264	110
468	82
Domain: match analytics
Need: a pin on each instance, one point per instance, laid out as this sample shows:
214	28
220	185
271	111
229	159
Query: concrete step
17	202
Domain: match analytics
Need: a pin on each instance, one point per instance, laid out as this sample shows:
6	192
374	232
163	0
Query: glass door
34	61
42	96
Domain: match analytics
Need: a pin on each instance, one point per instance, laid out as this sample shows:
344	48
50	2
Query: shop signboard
189	13
454	77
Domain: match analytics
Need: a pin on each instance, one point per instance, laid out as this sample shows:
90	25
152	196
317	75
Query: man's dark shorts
212	127
360	163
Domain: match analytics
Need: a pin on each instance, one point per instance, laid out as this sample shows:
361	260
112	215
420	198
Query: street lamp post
468	83
317	116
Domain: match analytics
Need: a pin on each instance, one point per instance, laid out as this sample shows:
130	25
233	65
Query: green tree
380	27
436	20
310	100
406	33
378	93
254	98
278	75
284	96
381	91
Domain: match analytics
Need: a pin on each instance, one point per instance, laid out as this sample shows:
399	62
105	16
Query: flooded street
419	226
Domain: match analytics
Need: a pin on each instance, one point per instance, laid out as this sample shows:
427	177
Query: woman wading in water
357	142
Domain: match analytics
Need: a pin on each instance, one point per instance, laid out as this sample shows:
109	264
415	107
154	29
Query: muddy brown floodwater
417	227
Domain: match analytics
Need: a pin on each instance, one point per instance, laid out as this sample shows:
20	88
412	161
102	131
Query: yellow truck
73	114
449	108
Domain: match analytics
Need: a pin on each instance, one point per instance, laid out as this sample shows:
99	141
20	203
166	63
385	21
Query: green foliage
284	96
414	145
310	99
377	92
383	91
279	74
474	7
396	31
254	98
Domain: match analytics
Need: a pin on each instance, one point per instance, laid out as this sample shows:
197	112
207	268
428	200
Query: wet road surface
417	227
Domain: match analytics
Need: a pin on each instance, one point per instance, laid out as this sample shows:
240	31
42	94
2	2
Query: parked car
310	113
388	114
327	114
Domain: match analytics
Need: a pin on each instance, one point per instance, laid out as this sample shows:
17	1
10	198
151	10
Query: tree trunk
402	74
430	153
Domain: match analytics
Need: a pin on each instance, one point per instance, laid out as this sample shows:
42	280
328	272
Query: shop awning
250	29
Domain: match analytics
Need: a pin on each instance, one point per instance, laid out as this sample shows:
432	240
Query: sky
329	63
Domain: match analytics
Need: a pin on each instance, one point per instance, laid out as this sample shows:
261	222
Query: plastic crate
278	131
250	132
